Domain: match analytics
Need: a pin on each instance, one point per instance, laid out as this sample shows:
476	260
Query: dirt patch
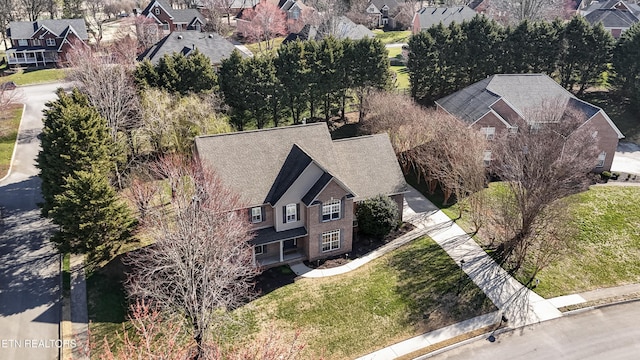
272	279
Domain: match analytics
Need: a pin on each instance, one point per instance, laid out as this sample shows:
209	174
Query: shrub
377	216
605	175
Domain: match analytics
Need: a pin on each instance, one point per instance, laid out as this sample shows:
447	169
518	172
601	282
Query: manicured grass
415	289
255	47
606	249
608	243
392	37
394	51
9	124
35	76
402	77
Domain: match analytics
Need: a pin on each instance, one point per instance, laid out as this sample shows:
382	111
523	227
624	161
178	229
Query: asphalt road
29	264
610	333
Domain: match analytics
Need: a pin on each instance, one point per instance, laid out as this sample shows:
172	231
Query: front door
290	244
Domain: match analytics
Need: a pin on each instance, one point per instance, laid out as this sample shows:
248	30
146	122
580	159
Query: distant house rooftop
212	45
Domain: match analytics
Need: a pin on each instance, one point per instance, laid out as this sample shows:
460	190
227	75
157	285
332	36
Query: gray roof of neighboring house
179	15
521	91
24	29
256	163
244	4
431	16
612	18
340	26
611	4
391	4
214	46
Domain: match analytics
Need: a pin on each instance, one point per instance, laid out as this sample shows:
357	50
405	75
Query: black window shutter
250	215
284	214
262	213
298	212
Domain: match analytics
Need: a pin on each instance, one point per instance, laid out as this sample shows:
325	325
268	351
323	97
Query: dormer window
23	42
51	42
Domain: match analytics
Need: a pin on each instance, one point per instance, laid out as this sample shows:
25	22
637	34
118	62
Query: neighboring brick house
340	27
169	19
499	102
301	186
44	42
615	15
212	45
383	12
431	16
296	14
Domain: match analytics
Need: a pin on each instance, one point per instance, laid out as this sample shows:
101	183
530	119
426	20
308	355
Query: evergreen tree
483	38
312	77
90	216
423	65
292	70
259	81
372	70
74	138
234	87
546	46
377	216
145	75
330	55
627	65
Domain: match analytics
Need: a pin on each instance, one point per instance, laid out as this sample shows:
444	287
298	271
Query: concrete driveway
627	158
30	266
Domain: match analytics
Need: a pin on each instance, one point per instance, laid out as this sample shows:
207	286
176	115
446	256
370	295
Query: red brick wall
267	217
315	225
607	139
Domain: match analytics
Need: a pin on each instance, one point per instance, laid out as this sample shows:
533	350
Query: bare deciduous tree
201	262
513	12
266	22
439	148
548	159
32	9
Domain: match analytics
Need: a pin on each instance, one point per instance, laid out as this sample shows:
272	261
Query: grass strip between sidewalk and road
29	77
9	125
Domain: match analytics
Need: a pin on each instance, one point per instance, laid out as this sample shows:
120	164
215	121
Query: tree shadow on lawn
440	293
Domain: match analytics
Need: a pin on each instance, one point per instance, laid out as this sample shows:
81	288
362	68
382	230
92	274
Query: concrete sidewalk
75	321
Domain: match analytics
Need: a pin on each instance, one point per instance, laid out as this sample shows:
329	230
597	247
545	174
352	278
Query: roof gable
26	29
263	164
212	45
431	16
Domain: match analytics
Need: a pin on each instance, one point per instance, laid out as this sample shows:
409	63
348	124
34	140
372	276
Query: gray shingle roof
612	18
431	16
293	166
214	46
521	91
611	4
24	29
391	4
250	162
315	190
340	27
269	235
179	15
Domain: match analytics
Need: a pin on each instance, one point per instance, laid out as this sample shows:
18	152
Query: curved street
611	332
30	267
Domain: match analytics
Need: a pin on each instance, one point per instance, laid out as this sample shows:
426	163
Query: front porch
32	57
273	248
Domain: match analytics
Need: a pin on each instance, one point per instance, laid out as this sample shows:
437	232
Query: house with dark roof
616	16
499	103
340	27
212	45
301	187
296	14
383	12
169	19
44	42
431	16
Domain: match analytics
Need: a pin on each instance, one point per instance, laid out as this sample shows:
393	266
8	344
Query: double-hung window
256	214
601	158
291	213
23	42
331	240
489	132
331	210
487	158
51	42
260	249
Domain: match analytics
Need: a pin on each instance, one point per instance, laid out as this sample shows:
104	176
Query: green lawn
255	47
394	51
606	249
9	124
402	79
415	289
392	37
35	76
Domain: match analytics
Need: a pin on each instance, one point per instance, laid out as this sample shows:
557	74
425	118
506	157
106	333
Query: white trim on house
331	239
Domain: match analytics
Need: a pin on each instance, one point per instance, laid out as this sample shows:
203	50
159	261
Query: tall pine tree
627	65
74	138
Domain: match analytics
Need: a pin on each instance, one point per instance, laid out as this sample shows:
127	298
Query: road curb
15	144
595	307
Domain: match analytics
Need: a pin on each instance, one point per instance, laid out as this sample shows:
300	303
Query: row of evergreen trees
443	60
310	76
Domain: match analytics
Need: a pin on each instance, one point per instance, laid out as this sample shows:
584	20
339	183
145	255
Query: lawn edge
15	145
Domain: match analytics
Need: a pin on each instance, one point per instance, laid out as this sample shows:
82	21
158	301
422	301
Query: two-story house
383	12
616	16
301	186
498	103
44	42
169	19
428	17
